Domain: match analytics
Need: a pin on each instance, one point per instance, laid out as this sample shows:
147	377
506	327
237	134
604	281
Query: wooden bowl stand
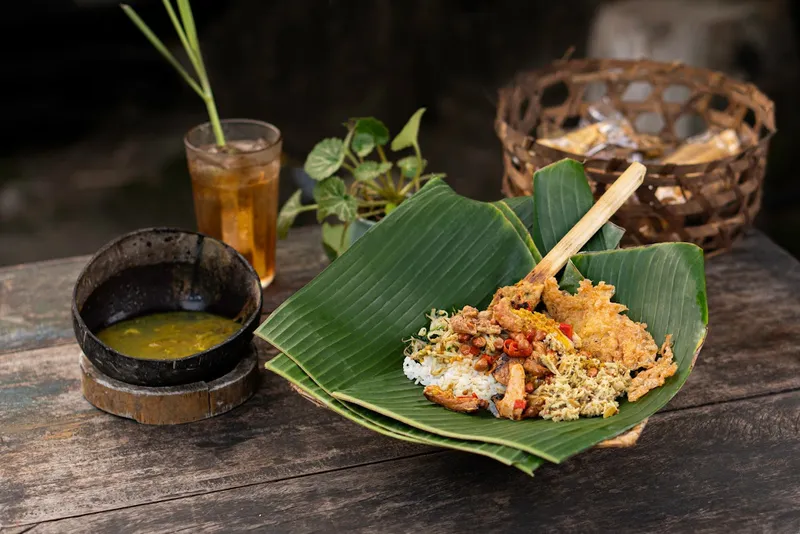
172	404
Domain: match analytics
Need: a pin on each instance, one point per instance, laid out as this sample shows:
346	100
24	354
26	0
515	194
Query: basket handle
608	204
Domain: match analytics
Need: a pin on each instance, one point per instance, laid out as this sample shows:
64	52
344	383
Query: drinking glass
235	188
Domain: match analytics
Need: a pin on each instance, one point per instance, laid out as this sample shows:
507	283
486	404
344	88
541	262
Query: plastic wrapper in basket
708	202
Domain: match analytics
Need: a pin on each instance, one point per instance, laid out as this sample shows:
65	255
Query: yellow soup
168	336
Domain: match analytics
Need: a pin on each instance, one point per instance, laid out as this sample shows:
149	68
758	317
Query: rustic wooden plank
45	422
754	325
35	299
727	466
62	457
17	530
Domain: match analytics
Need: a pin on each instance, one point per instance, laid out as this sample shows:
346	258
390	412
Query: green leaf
163	50
368	133
285	367
570	279
332	240
663	285
523	209
408	135
332	199
289	213
373	127
431	176
409	166
440	250
325	158
565	198
362	144
520	228
369	170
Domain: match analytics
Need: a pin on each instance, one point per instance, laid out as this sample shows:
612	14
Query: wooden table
724	455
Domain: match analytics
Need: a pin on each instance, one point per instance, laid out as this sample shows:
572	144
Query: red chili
531	336
474	350
566	329
512	348
519	404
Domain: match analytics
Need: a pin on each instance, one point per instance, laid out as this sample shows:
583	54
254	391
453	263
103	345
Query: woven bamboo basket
719	198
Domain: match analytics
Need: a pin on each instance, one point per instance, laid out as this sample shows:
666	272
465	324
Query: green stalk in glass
187	33
234	182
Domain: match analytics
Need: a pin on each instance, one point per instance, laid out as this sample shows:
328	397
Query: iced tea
235	189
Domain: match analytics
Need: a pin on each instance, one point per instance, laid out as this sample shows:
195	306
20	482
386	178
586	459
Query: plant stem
348	166
389	183
159	46
406	189
371	213
350	155
187	33
344	233
370	203
308	207
375	187
419	167
213	118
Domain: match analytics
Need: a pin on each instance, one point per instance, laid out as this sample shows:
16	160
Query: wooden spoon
608	204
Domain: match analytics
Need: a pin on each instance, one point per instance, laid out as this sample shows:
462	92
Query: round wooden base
173	404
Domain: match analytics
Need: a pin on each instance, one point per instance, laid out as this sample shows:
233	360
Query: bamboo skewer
616	195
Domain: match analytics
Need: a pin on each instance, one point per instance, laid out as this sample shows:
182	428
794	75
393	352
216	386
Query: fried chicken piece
444	398
501	370
514	402
465	321
521	293
534	368
505	316
604	332
534	407
655	376
470	321
507	299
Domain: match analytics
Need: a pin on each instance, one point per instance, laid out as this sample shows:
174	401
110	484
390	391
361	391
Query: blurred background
94	118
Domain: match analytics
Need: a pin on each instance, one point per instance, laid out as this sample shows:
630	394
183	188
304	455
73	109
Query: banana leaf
285	367
344	329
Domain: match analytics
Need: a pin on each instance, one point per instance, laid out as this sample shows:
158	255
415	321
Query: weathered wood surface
731	466
96	461
35	299
34	303
61	458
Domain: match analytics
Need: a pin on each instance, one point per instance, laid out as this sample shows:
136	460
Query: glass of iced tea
235	188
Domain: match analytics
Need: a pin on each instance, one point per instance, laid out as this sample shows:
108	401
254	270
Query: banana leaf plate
344	330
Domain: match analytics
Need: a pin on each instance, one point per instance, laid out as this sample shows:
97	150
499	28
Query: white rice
433	358
458	375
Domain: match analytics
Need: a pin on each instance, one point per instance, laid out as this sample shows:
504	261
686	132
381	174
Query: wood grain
35	299
61	457
730	466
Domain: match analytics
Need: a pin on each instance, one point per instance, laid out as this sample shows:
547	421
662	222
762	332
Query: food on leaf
574	358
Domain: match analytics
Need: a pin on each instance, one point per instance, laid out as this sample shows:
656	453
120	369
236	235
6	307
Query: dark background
93	117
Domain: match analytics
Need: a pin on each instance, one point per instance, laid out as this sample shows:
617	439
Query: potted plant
375	186
234	164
